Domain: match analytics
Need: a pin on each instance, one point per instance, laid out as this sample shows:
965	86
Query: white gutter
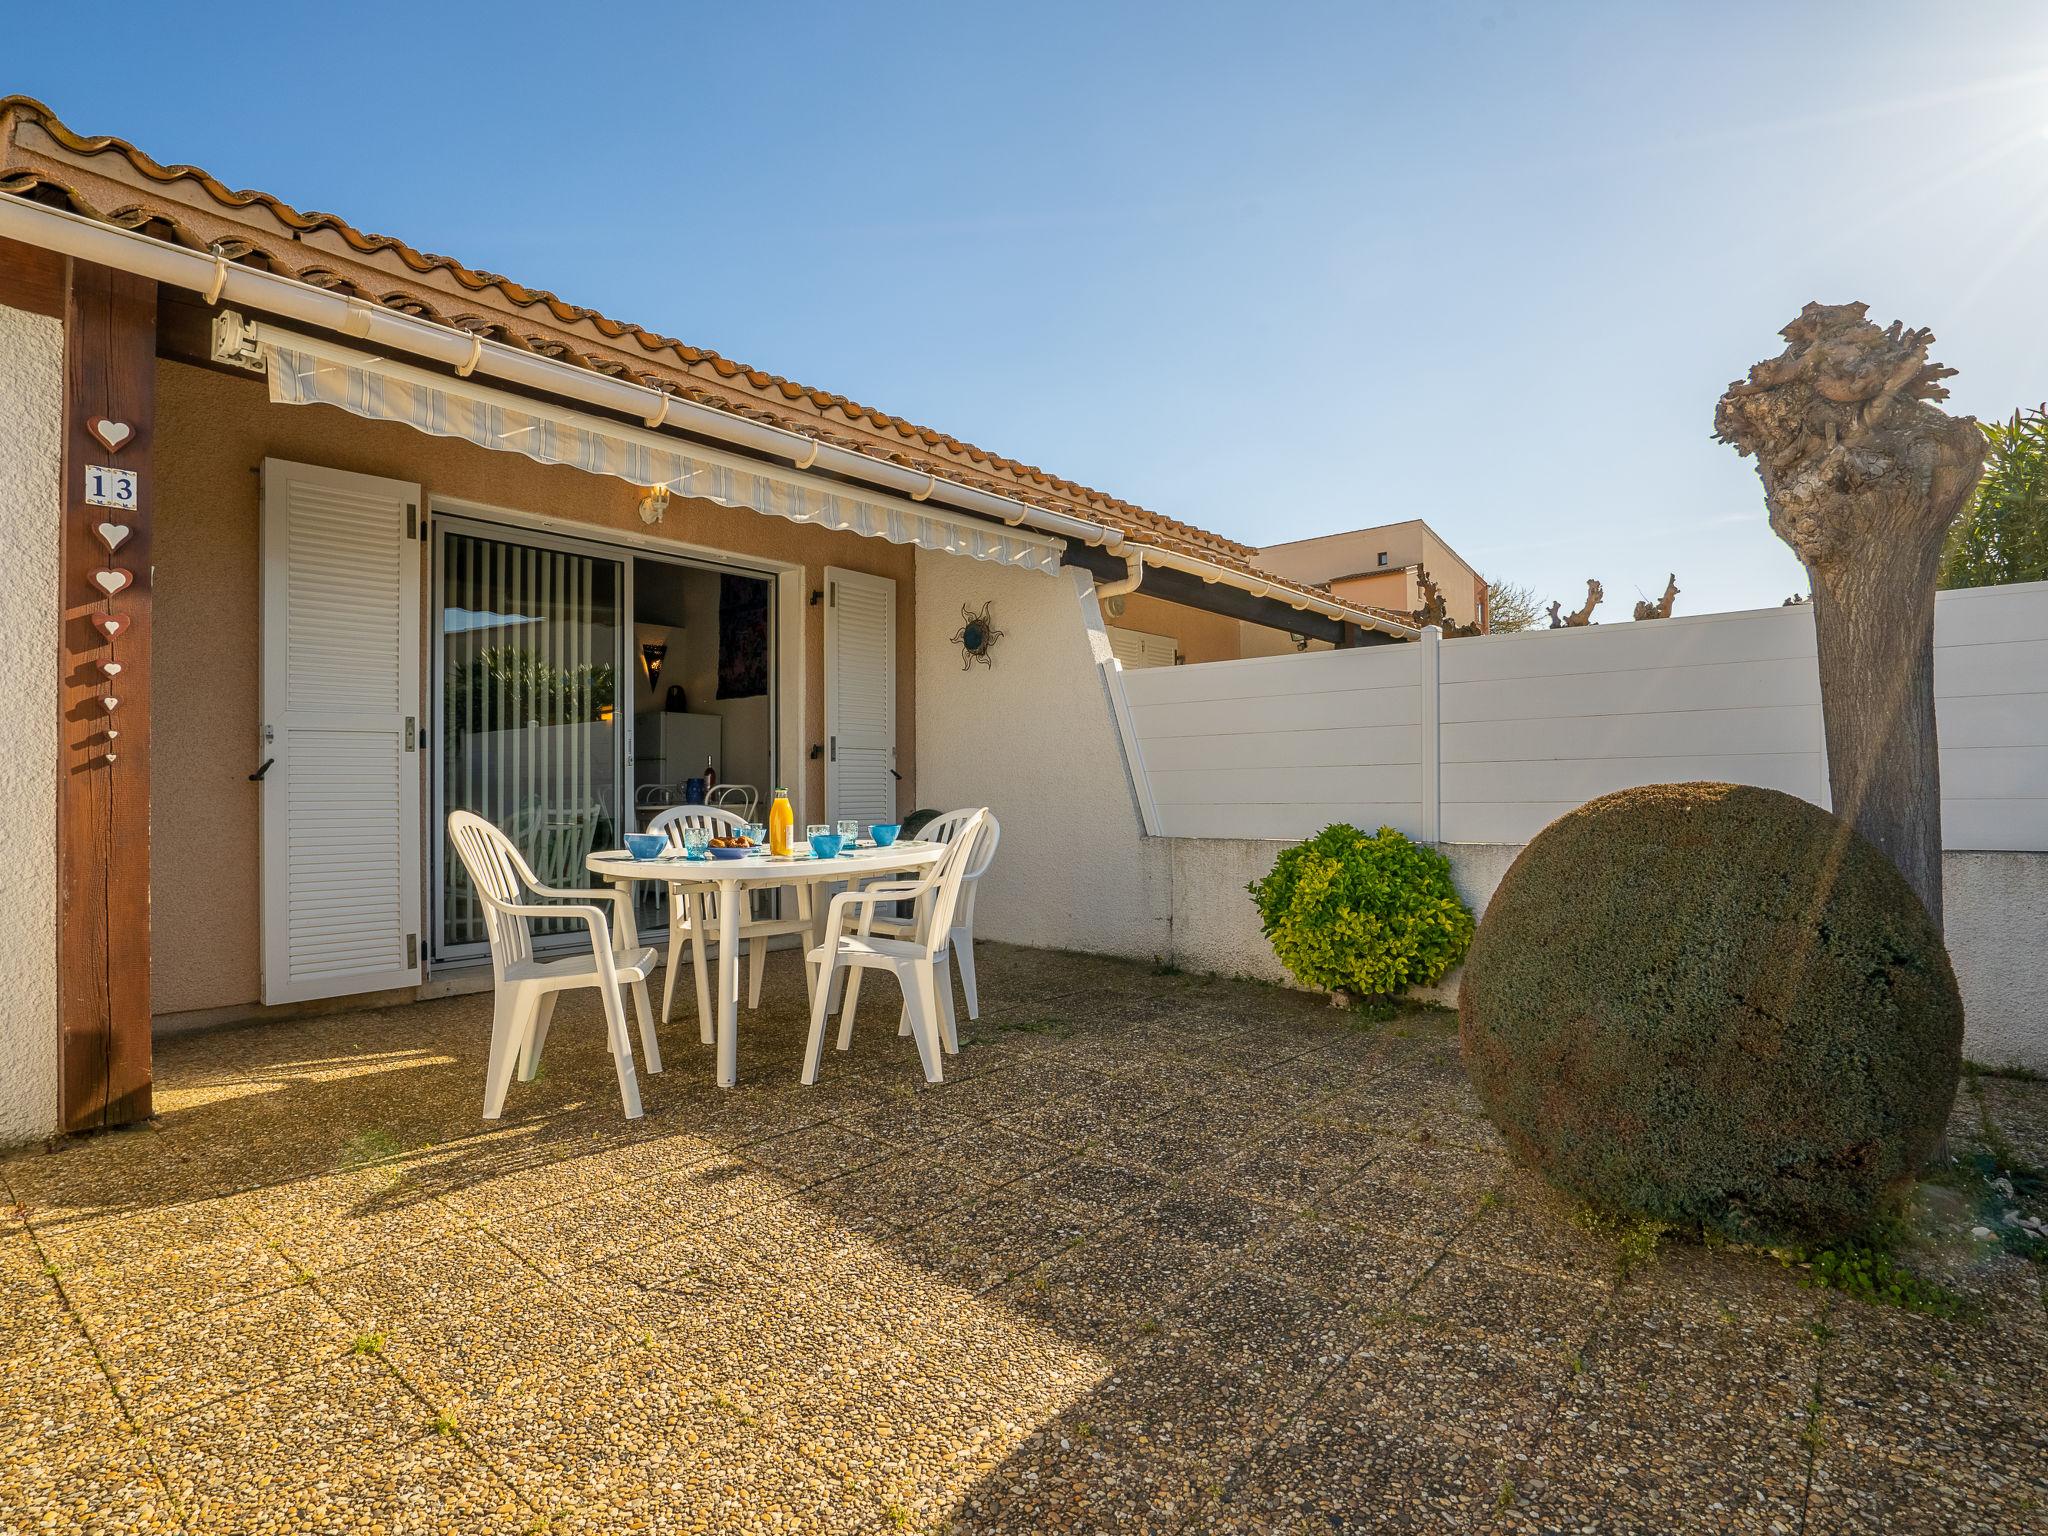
222	281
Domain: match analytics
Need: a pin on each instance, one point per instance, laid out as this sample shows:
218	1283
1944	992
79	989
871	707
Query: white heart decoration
110	624
109	703
111	668
112	579
113	735
113	535
112	434
109	757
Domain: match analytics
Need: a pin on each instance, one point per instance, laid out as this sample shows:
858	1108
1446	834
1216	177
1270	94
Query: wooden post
103	1010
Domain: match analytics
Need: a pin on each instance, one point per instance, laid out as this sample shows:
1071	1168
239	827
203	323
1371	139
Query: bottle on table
781	823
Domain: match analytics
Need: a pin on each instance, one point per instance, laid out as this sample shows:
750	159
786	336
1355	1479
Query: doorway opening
703	696
581	688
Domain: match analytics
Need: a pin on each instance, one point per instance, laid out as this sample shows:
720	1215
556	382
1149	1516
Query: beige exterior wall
1197	634
1033	738
31	456
1350	562
213	431
1395	590
1351	553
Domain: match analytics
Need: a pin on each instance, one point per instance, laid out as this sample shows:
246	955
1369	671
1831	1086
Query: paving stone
1858	1495
344	1447
1342	1468
98	1483
1543	1313
1111	1287
445	1277
1347	1261
338	1219
132	1271
1933	1391
202	1356
1227	1222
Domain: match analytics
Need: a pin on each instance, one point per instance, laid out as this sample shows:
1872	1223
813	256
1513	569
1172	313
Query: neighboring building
1383	568
316	538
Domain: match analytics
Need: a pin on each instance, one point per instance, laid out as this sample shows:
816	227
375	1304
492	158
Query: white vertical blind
340	689
860	697
529	724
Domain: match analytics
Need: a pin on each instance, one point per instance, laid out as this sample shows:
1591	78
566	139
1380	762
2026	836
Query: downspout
1134	573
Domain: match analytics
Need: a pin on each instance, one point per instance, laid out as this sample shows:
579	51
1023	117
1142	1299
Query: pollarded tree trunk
1874	630
1863	478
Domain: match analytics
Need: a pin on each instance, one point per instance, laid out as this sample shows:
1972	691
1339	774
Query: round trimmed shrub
1371	914
1717	1006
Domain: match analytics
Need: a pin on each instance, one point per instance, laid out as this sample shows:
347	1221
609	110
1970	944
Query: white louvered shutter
1136	648
860	697
341	686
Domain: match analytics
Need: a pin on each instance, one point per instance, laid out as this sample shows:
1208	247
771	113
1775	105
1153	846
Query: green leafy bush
1367	914
1716	1006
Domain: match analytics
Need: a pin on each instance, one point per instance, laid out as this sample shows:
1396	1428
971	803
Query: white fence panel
1533	725
1537	721
1991	707
1257	748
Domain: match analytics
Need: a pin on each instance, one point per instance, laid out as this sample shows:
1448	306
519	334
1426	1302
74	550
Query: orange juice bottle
781	823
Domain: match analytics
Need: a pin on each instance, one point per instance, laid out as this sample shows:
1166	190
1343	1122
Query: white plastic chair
735	797
527	987
961	938
693	915
918	962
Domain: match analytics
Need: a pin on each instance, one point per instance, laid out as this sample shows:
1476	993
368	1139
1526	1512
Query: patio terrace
1162	1254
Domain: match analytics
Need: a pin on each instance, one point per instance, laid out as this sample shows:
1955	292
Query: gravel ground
1162	1254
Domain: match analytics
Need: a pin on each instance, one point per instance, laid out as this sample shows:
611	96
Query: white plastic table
734	879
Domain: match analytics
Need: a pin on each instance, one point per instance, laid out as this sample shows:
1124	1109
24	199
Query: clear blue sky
1277	270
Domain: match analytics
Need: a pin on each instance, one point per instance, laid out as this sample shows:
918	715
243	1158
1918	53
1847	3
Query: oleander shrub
1717	1006
1368	913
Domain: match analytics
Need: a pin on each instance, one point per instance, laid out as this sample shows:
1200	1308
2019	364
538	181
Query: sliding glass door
531	637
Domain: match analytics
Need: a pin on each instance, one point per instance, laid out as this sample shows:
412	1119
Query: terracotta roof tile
141	191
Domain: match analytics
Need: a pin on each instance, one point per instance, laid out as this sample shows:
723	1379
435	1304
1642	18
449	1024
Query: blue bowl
884	833
826	845
646	845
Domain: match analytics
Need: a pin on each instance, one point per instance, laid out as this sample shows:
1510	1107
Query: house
315	538
1385	568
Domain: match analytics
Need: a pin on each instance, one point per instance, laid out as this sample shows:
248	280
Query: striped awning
306	371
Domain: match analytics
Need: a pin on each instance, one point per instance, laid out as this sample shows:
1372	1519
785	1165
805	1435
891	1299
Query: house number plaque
106	487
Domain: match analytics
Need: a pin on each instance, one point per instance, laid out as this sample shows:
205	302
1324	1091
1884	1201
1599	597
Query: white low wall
1996	909
1489	739
31	422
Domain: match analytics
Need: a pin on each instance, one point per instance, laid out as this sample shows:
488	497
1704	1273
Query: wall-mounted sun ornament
976	636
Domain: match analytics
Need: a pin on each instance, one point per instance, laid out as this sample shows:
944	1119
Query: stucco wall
31	447
213	431
1032	738
1997	917
1197	634
1995	907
